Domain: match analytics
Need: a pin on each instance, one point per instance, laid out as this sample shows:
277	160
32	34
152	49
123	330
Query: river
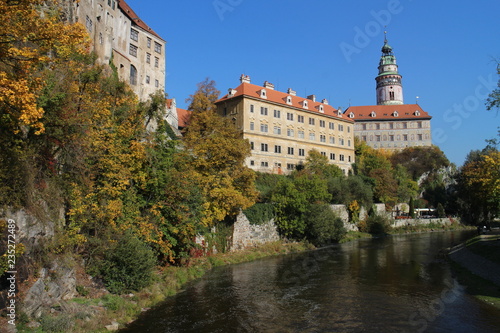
391	284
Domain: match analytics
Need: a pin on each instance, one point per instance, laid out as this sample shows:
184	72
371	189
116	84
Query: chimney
268	85
244	78
312	98
291	92
324	101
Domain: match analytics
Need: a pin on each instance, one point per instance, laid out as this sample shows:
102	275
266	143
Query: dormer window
289	100
417	113
351	115
373	114
263	93
339	113
321	109
304	104
395	114
231	93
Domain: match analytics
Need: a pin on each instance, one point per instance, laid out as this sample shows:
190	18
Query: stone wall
405	222
247	235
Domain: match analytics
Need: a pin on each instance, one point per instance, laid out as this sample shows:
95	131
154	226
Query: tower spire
389	87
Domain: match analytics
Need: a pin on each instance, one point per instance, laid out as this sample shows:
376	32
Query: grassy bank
480	288
87	314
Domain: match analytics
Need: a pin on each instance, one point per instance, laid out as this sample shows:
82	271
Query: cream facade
392	127
120	36
282	127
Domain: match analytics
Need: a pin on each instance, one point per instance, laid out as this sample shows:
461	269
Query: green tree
318	164
293	199
323	226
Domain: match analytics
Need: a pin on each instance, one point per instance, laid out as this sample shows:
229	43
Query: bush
377	224
259	213
323	226
128	266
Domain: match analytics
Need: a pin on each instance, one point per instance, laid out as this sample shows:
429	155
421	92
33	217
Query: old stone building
121	37
283	127
391	124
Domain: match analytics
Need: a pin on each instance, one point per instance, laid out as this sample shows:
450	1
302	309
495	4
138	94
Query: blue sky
446	51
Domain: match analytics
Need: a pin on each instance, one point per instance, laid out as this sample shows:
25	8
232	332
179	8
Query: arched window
133	75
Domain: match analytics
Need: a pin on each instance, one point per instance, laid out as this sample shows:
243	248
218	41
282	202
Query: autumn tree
214	151
479	187
420	160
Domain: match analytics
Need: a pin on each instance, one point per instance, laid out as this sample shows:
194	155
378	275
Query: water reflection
393	284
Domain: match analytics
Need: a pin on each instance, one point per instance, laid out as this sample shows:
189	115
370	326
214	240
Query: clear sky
446	52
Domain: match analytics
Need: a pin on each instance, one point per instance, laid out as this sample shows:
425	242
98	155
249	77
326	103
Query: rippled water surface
393	284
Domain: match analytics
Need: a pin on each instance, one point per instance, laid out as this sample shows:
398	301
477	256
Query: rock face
55	285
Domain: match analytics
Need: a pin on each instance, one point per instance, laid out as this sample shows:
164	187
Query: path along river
391	284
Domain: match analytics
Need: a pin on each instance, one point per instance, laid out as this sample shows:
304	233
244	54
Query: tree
420	160
214	150
318	164
293	199
493	101
31	33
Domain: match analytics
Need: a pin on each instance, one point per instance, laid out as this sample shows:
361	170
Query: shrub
259	213
377	224
128	266
323	225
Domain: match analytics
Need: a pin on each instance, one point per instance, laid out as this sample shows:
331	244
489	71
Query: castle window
290	150
263	128
289	116
88	24
417	113
289	132
351	115
312	136
277	130
304	104
373	114
263	147
263	93
302	152
277	114
133	50
311	121
300	134
300	119
332	156
157	83
321	109
395	114
252	126
322	138
148	79
148	58
331	126
157	61
251	108
321	123
391	95
133	75
134	34
149	42
158	47
288	100
277	149
263	111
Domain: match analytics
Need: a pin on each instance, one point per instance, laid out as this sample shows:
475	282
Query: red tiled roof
274	96
135	18
386	112
183	117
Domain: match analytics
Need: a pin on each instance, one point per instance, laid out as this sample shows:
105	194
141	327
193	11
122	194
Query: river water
391	284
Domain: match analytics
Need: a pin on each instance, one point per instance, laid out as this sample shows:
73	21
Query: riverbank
476	264
104	312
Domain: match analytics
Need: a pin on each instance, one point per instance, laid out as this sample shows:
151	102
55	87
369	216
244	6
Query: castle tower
389	87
